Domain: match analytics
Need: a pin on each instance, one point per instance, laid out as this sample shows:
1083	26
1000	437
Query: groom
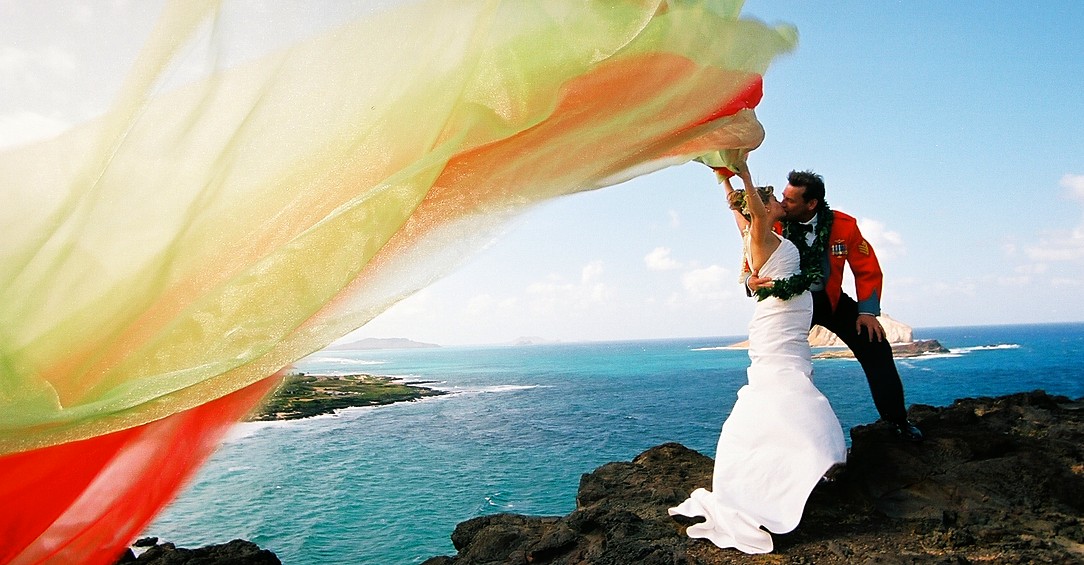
827	240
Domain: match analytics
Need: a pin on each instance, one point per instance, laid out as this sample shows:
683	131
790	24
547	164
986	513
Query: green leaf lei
812	258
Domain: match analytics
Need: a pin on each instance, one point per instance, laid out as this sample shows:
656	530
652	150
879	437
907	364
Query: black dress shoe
909	432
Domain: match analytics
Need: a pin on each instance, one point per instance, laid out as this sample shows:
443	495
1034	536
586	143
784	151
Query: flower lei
811	258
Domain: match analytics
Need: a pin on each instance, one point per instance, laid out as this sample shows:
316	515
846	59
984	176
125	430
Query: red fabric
723	172
746	99
85	501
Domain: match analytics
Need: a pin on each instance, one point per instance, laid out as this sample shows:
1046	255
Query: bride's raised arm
733	199
762	241
758	213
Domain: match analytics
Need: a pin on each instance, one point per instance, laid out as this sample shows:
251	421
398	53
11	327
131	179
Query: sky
951	130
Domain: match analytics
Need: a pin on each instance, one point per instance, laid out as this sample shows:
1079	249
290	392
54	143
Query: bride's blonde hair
736	199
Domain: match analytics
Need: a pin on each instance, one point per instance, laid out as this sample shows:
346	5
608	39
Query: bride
782	435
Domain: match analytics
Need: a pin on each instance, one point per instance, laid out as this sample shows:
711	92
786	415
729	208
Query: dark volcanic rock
899	350
998	480
236	552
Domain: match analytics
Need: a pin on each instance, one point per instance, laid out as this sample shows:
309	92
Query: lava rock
996	480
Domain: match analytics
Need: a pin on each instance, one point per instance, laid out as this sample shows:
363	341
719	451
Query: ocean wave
410	378
242	430
490	389
930	355
955	352
717	348
993	347
493	501
913	366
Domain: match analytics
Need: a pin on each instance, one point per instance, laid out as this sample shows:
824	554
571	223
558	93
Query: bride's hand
747	179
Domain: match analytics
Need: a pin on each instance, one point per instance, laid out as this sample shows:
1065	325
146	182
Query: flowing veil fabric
223	219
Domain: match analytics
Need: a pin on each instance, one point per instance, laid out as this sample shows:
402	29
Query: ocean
387	485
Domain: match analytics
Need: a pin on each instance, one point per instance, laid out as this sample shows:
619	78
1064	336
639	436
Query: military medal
838	248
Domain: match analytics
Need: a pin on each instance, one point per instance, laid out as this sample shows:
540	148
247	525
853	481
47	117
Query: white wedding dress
782	435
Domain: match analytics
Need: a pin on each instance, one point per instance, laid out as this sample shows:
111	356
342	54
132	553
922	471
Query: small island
304	396
899	350
371	343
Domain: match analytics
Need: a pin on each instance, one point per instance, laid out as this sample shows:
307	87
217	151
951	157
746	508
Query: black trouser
874	356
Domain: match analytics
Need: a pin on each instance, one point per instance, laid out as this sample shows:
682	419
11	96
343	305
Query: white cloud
1062	246
21	66
25	74
480	304
1017	281
487	305
1067	247
964	287
1032	269
591	272
81	13
59	61
887	244
675	220
709	283
24	127
659	260
1075	184
13	61
1066	282
556	296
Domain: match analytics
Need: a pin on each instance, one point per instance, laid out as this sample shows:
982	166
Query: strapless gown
782	435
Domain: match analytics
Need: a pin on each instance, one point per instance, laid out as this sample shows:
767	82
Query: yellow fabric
199	237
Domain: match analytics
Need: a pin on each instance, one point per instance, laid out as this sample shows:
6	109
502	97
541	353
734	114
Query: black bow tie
800	228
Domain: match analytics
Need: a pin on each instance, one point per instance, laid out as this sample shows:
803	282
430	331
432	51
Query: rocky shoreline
998	480
899	350
236	552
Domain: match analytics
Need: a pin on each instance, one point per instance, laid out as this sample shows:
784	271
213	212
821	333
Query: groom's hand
756	283
871	325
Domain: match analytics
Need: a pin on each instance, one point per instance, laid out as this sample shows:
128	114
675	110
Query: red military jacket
846	245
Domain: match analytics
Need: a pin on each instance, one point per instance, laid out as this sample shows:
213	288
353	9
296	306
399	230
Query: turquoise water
387	485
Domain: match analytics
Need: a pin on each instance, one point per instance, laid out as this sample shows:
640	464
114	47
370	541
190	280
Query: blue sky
950	129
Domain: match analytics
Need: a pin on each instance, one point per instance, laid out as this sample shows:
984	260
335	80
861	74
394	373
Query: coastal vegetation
303	396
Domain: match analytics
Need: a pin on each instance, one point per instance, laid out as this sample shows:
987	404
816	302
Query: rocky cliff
895	332
998	480
236	552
